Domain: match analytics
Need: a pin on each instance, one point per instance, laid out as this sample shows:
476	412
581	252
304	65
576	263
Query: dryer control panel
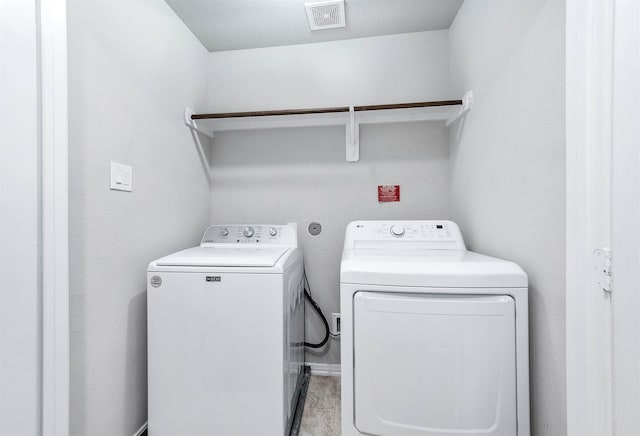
423	234
275	234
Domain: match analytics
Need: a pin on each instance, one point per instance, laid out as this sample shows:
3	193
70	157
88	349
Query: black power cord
316	307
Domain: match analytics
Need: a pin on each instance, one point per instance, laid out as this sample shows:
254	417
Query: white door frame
625	219
55	235
589	78
603	187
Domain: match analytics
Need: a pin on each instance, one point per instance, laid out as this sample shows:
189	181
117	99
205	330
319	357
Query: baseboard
330	369
141	430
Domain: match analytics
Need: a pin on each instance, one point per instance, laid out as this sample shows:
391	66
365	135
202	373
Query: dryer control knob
248	232
224	232
273	231
397	231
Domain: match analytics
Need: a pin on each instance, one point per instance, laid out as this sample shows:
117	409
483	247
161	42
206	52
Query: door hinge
603	259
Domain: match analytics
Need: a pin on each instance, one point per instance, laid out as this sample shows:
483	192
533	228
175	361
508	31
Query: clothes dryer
434	337
226	334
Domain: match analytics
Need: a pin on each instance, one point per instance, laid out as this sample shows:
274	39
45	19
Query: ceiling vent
325	15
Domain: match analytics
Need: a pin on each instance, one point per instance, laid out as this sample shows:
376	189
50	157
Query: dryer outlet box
335	323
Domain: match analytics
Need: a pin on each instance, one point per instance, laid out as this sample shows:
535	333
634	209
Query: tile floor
321	415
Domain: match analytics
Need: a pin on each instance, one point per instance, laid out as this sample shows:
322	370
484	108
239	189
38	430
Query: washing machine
226	334
434	337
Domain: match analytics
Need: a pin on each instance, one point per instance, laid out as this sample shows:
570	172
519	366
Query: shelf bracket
195	131
191	124
458	113
352	130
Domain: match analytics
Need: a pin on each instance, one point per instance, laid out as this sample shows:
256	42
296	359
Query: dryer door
429	364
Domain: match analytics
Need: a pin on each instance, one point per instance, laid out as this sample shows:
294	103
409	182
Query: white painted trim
327	369
55	240
142	429
589	63
625	218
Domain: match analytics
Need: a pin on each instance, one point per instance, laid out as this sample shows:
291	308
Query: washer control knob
248	232
397	231
273	231
224	232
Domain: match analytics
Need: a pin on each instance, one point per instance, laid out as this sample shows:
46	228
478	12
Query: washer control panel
427	234
280	234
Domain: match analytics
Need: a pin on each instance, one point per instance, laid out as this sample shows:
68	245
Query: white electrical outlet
335	323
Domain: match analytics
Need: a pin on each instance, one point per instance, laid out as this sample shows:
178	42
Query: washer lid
432	268
227	256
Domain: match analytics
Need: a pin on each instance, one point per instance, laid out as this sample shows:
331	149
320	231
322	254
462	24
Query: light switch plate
121	177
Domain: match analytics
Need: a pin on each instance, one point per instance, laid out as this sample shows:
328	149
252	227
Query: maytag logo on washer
156	281
214	278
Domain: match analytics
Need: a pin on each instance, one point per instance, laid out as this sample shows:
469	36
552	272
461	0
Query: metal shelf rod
325	110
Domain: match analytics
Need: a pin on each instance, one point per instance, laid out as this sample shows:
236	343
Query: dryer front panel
434	364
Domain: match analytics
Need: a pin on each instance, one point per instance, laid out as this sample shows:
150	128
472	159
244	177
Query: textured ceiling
239	24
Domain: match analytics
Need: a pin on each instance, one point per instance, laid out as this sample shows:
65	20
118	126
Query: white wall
133	67
507	167
385	69
20	342
301	175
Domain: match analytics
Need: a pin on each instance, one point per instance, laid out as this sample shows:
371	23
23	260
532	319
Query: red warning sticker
388	193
